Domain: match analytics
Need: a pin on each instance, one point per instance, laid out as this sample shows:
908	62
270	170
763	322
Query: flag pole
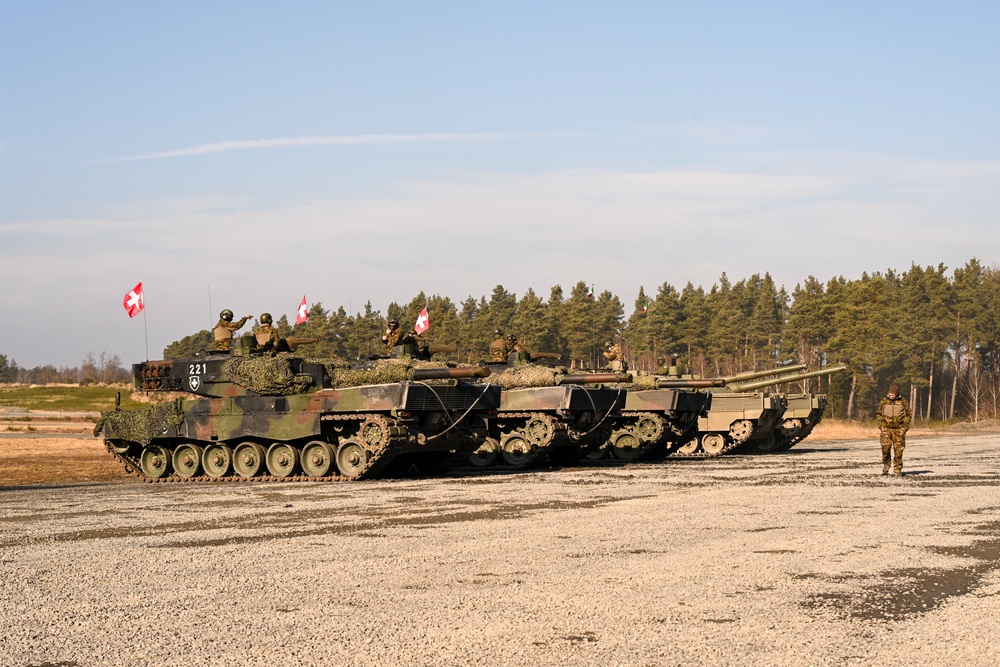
145	329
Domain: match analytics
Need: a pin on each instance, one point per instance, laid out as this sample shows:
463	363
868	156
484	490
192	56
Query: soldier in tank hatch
223	331
498	347
392	335
267	335
613	353
893	416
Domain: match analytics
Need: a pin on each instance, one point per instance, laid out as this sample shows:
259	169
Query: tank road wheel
741	431
713	443
597	453
248	459
187	460
689	447
352	459
516	451
626	447
486	455
155	461
537	431
281	459
317	459
217	460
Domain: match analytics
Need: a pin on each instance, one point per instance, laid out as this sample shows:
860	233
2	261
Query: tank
549	415
249	416
739	412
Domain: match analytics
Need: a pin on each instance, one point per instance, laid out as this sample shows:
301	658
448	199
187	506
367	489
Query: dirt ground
804	558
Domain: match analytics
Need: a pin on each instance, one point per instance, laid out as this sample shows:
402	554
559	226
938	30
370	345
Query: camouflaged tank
739	413
548	413
251	416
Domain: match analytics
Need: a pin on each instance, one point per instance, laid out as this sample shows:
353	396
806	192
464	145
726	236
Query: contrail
331	140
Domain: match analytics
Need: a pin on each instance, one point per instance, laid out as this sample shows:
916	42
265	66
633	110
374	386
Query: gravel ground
803	558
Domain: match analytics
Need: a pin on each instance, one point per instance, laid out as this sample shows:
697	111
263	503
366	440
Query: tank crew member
267	335
423	347
513	345
893	415
392	335
223	331
498	347
613	353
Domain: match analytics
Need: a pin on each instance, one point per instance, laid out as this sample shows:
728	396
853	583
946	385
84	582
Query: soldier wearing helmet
392	335
613	353
498	347
223	331
266	335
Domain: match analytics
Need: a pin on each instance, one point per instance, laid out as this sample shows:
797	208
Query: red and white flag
133	301
423	322
303	313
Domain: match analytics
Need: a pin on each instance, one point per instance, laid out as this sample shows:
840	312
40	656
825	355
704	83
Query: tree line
103	368
933	332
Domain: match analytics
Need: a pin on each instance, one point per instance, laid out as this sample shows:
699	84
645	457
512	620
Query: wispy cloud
329	140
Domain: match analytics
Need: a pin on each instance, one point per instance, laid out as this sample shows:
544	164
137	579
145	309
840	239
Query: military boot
885	470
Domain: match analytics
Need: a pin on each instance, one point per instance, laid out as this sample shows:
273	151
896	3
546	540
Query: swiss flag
133	301
423	322
303	313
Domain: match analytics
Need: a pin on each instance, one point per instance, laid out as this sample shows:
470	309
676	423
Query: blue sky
367	151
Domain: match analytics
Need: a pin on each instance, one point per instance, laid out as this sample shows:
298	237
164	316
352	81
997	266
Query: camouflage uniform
614	357
267	337
498	348
893	415
223	333
392	337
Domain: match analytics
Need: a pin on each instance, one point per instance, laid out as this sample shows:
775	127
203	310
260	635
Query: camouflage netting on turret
524	376
265	375
381	371
141	425
641	382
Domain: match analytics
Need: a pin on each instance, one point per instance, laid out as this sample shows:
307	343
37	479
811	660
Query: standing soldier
267	335
392	336
223	331
893	416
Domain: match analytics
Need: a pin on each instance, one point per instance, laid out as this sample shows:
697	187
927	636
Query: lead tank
250	416
740	413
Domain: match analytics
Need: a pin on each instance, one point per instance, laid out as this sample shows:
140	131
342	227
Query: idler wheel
187	460
119	446
626	447
155	461
486	455
248	459
281	459
713	443
217	460
352	459
317	459
516	451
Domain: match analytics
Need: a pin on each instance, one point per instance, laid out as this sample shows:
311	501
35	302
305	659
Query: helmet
607	343
226	315
265	318
511	337
393	323
498	334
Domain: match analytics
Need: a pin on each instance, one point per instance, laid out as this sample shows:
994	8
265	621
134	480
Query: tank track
394	439
736	440
540	441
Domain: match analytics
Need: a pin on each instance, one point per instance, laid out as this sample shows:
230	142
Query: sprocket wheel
741	431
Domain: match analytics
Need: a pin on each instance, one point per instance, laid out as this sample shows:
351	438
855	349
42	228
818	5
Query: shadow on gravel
906	592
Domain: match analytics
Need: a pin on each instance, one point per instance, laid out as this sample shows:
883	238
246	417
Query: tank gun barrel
441	349
450	373
294	342
593	378
753	375
782	379
690	384
545	355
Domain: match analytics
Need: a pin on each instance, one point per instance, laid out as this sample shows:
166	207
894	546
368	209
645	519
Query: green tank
548	414
250	416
